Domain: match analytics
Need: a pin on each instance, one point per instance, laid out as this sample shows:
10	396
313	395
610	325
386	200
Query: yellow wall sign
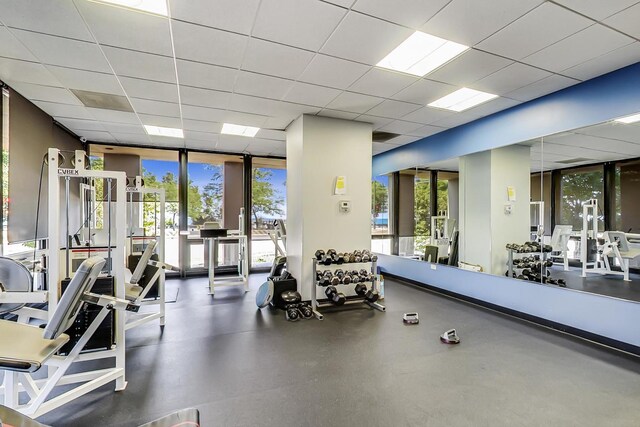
341	185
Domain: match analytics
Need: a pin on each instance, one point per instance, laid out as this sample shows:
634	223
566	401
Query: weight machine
37	351
147	269
442	229
279	234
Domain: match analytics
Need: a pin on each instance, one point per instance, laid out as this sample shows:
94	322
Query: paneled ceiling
605	142
264	62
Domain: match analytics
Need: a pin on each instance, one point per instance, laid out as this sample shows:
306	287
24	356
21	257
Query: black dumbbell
347	279
319	254
372	296
292	314
337	298
358	256
327	259
366	257
562	283
306	311
361	289
335	280
325	279
339	258
339	274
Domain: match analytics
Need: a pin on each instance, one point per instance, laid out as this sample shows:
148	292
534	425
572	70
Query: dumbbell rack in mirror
343	271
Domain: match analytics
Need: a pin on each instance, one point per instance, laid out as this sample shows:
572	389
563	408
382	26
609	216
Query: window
627	197
576	187
380	205
268	203
422	210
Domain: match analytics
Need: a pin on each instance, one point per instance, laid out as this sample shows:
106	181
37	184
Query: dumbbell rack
316	305
543	259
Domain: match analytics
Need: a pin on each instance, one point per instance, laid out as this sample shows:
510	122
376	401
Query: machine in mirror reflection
563	210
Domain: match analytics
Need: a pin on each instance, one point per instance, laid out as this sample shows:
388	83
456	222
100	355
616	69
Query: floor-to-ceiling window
268	204
577	186
381	240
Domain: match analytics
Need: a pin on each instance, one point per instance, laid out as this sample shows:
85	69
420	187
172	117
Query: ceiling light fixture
160	131
421	53
462	99
629	119
157	7
230	129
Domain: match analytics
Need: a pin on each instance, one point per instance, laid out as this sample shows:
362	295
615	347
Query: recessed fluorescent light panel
421	53
629	119
157	7
462	99
160	131
230	129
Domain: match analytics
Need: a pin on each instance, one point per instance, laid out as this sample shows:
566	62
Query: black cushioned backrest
71	301
142	264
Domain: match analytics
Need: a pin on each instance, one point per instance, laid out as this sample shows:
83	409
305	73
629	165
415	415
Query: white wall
485	229
318	150
510	166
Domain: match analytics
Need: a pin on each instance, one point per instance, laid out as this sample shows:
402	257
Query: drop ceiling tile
426	130
246	119
490	107
338	114
393	109
277	123
578	48
291	110
96	135
205	75
277	135
427	115
595	143
123	128
469	67
64	52
86	80
153	120
381	147
410	13
613	130
261	85
200	144
232	143
252	104
597	9
114	116
455	120
402	140
354	102
131	138
343	3
536	30
78	125
26	72
147	89
470	21
62	18
10	47
275	59
542	87
364	39
44	93
121	27
200	126
376	122
304	93
280	152
213	46
264	147
383	83
64	110
424	91
306	24
141	65
159	108
401	127
614	60
334	72
510	78
204	97
238	16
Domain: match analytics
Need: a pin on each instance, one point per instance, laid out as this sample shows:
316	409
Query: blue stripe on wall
607	97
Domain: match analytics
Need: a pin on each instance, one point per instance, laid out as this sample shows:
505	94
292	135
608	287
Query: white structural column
319	149
485	225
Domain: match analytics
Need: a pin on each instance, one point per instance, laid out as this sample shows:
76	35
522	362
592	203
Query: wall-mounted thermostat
345	206
508	208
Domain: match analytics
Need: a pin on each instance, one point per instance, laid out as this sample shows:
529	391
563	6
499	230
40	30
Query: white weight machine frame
279	233
443	241
136	319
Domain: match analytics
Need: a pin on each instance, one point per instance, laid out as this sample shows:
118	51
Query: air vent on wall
576	160
383	136
106	101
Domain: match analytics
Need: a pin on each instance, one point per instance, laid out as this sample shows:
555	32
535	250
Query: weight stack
149	271
104	337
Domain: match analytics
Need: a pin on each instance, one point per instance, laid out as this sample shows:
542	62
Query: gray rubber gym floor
609	285
244	367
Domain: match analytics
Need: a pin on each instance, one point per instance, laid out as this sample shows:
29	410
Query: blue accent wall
607	97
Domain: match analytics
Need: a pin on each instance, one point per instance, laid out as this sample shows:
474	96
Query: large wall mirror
561	210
